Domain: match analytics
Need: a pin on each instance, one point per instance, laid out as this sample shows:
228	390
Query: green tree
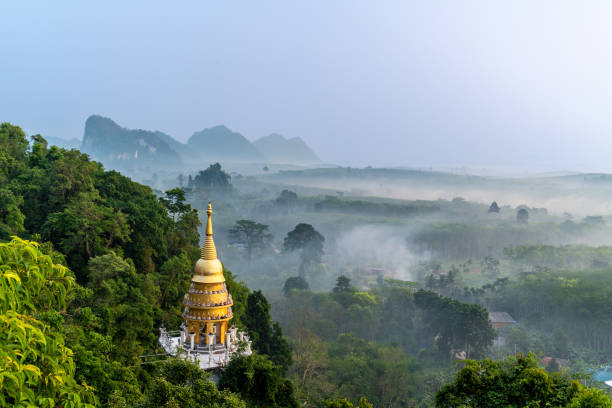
590	398
308	241
287	198
455	326
13	152
179	383
251	234
125	301
517	382
267	337
343	285
213	179
494	208
86	228
183	236
295	283
310	367
259	382
152	236
174	278
522	216
174	201
94	358
36	368
11	217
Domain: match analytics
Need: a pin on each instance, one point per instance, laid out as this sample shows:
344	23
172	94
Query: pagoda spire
209	251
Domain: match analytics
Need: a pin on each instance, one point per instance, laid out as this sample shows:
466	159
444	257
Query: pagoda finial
209	251
209	222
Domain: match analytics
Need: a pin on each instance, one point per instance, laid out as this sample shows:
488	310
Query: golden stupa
208	305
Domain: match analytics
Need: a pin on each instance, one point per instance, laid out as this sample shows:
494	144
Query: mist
375	249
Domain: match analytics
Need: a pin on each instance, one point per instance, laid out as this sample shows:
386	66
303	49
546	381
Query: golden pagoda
208	305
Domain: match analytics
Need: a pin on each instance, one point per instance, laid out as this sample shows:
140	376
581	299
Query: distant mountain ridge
116	146
220	143
281	150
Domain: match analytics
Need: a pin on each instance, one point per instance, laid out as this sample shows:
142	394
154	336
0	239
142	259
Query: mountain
64	143
180	148
118	147
220	143
130	149
278	149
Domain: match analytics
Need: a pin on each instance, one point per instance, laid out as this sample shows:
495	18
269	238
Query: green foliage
125	302
259	382
11	217
175	202
383	373
213	179
455	325
240	294
329	363
590	398
287	198
344	403
343	285
575	302
182	384
295	283
253	235
267	337
86	228
36	368
522	216
517	382
174	278
183	237
308	241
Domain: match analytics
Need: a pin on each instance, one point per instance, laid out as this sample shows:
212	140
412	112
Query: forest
352	297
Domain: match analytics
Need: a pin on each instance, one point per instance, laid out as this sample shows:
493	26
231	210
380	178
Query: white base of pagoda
208	358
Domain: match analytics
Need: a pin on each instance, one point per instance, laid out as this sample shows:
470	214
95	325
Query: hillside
220	143
279	149
118	147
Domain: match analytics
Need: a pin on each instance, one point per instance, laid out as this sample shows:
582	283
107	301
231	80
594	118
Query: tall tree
455	326
174	201
287	198
308	241
522	216
213	179
183	236
251	234
295	283
343	285
494	208
267	337
125	301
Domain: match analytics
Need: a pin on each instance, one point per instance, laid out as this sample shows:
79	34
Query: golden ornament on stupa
208	305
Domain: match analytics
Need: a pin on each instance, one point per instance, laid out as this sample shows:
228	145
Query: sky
524	85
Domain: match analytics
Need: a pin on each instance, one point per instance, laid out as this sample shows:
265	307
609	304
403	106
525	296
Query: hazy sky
517	84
